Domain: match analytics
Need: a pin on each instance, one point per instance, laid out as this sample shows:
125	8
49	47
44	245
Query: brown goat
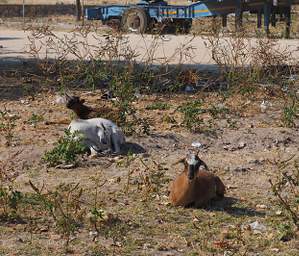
195	187
77	105
85	112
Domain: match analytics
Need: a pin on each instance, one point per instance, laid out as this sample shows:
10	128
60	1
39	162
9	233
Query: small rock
59	100
257	161
12	116
137	93
278	212
227	168
226	146
257	227
65	166
44	229
261	206
146	246
228	253
241	169
165	38
93	233
118	244
107	95
189	89
293	78
20	240
1	46
196	144
231	187
276	250
241	145
265	105
55	237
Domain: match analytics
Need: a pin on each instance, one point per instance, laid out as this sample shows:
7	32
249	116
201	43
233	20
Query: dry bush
286	191
243	60
271	61
231	54
86	59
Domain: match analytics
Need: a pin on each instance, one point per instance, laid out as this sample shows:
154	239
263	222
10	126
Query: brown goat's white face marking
192	159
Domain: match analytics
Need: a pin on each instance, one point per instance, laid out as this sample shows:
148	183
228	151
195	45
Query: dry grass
119	205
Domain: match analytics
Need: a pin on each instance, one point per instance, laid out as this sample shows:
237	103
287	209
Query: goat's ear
181	161
205	165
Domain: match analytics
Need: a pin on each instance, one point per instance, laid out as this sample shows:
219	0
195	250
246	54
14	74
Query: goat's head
73	101
77	105
193	164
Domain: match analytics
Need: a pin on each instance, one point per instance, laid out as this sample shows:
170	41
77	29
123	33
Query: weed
63	205
151	178
247	90
7	126
169	119
242	63
231	55
66	150
289	114
232	124
158	106
9	202
34	119
191	111
285	231
97	214
218	111
286	191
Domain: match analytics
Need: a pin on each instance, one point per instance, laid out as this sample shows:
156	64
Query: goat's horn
179	161
67	95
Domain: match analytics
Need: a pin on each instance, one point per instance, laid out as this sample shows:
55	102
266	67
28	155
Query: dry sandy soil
240	143
237	146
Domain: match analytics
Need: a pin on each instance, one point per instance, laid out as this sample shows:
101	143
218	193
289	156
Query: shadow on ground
132	148
8	38
230	206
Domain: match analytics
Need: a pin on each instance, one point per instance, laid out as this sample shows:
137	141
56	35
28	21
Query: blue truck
143	16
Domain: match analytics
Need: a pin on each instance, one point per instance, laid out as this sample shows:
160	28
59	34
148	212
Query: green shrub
66	150
191	111
158	106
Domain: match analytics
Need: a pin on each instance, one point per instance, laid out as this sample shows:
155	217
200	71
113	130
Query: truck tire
135	20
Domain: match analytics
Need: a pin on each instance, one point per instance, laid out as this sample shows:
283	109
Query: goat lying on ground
195	186
99	134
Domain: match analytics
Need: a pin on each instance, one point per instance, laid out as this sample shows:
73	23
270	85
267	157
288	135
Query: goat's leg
115	145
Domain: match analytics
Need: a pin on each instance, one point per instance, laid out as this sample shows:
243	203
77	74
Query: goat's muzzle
191	172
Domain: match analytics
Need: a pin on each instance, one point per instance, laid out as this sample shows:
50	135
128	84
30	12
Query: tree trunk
78	10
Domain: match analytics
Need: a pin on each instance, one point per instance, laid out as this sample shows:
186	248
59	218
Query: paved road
171	49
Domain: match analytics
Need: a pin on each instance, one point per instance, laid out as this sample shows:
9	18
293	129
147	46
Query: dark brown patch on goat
77	105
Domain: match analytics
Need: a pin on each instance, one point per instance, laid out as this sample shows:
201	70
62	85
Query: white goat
99	134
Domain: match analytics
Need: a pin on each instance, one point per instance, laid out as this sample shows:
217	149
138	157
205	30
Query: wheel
135	20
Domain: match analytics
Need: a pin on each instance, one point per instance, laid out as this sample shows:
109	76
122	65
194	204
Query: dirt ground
240	143
236	145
